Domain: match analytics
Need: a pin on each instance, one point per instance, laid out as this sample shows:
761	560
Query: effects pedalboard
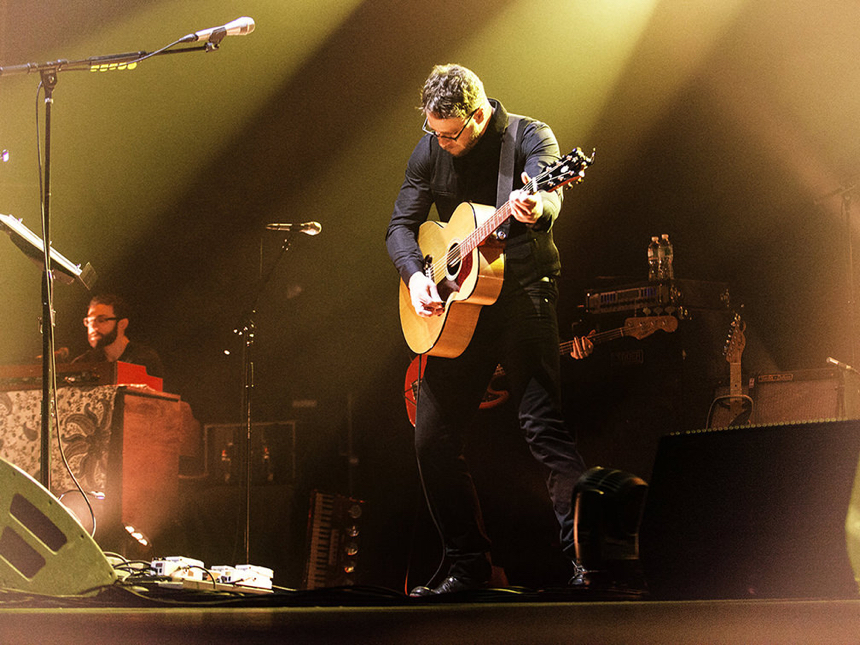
179	572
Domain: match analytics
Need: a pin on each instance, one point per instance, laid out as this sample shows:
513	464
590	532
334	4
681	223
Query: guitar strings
457	251
611	334
481	232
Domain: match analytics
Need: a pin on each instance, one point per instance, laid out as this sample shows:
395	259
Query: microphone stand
49	73
247	331
846	191
49	82
846	213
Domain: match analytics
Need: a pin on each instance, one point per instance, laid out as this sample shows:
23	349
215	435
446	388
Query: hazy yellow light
125	142
569	63
558	58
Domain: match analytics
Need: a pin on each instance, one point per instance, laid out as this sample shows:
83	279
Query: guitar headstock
568	170
736	341
639	328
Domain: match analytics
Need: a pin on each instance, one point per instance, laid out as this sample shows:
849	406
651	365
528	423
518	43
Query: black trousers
520	331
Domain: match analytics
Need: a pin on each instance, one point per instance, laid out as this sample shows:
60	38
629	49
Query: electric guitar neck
496	395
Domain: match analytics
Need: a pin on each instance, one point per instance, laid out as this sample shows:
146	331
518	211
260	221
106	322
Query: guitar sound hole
453	262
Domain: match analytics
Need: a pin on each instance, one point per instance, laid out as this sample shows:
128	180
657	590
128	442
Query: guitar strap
507	165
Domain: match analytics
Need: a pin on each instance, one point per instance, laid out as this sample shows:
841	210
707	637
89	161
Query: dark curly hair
120	307
452	91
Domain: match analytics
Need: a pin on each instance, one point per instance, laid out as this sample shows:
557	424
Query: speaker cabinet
790	397
755	512
43	548
273	452
630	392
806	395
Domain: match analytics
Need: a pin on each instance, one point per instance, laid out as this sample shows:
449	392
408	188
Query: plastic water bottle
653	261
665	258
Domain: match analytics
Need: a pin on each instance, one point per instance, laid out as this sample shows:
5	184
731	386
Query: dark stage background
725	125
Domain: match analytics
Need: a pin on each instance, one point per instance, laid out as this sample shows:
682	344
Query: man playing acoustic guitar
470	309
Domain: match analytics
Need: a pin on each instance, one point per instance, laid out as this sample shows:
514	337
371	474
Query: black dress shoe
625	577
451	584
419	592
582	578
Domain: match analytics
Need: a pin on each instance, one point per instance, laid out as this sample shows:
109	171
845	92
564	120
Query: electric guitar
739	406
467	272
495	395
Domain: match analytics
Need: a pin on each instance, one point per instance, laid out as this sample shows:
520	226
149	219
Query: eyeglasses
89	321
449	136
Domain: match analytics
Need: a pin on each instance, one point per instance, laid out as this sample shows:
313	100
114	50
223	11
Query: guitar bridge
428	267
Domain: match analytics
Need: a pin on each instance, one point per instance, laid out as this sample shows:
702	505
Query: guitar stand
725	401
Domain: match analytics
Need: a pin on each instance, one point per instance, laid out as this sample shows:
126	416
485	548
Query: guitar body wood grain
474	281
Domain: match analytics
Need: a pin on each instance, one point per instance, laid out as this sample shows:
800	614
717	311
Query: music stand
67	272
34	248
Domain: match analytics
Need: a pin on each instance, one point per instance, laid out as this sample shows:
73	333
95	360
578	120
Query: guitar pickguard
456	275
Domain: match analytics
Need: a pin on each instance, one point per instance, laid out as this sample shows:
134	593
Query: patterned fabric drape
85	414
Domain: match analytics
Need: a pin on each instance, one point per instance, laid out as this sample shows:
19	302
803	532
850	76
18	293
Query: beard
466	142
106	339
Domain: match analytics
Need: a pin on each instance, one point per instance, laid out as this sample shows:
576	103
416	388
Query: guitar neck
488	226
611	334
735	380
569	169
566	347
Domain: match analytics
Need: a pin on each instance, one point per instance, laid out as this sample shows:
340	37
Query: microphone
308	228
239	27
841	365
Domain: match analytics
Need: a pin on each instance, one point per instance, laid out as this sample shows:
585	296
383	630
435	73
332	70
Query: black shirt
136	353
435	177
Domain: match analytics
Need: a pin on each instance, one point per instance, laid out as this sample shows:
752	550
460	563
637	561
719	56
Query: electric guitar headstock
736	341
639	328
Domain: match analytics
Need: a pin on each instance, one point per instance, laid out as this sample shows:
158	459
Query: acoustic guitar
495	395
466	267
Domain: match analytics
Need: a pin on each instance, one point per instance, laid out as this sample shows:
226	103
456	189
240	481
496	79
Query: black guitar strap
507	164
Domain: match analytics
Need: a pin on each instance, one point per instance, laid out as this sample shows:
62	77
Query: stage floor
378	616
